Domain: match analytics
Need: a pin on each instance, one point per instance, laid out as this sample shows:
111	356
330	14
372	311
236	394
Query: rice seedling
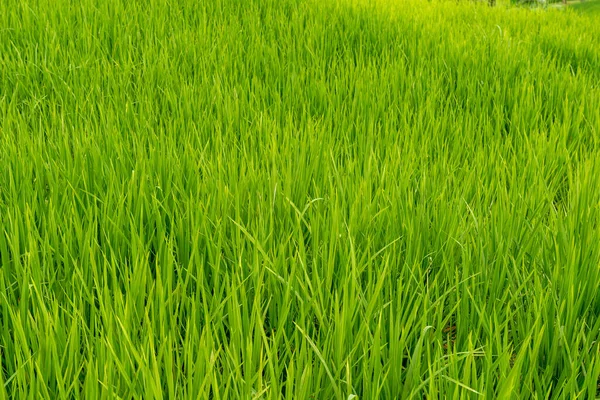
298	199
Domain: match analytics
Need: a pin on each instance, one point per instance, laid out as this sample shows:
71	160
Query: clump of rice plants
298	199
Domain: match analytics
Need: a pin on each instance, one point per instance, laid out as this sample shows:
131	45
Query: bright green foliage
298	199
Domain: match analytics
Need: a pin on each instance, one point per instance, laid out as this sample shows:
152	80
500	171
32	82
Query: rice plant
298	199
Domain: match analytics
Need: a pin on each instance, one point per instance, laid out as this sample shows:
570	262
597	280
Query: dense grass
588	6
298	199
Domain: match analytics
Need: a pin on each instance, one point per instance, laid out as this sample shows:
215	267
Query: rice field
298	199
587	6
